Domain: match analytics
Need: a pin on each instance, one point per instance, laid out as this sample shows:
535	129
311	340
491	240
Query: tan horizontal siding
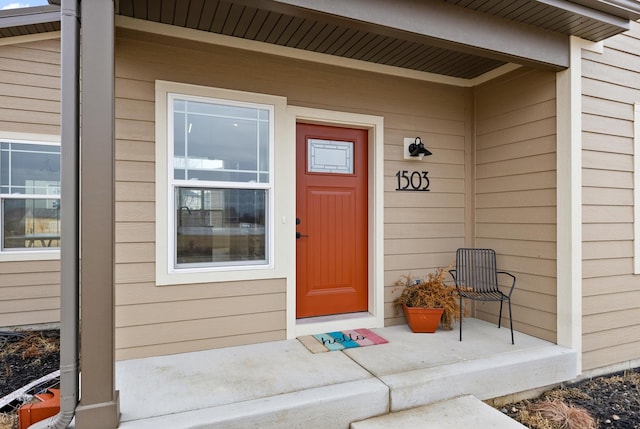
612	319
400	230
613	249
13	293
136	293
516	231
606	231
605	267
520	182
611	292
434	220
608	196
165	312
515	193
31	317
611	302
611	285
621	352
200	344
30	103
198	329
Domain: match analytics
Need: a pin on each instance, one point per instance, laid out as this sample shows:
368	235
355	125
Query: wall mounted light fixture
414	148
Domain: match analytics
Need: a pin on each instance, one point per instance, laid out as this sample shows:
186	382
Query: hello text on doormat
340	340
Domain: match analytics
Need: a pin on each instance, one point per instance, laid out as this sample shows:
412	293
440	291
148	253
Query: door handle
300	235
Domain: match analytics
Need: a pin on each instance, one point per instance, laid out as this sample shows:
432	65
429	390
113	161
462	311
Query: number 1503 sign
413	181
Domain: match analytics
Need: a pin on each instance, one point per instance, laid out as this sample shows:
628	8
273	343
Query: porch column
98	407
569	202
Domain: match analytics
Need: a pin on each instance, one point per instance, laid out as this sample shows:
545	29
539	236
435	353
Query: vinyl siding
515	193
611	292
29	103
422	229
30	87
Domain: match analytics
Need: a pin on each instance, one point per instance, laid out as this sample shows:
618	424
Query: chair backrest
476	269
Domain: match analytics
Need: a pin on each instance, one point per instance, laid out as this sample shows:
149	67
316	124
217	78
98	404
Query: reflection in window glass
29	195
221	181
218	142
220	225
30	223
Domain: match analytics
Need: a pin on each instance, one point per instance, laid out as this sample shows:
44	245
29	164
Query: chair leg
511	321
500	315
460	321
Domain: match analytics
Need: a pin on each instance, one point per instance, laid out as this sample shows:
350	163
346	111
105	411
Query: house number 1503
412	180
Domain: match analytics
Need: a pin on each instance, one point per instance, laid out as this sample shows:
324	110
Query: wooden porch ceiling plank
269	22
208	12
180	13
140	9
245	21
220	17
290	29
233	19
302	32
443	25
256	24
167	9
311	35
195	12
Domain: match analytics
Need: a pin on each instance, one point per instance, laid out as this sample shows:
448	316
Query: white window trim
25	254
282	210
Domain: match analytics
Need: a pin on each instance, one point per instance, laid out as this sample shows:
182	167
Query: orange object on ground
34	412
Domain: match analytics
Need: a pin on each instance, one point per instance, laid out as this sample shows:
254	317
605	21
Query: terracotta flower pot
422	319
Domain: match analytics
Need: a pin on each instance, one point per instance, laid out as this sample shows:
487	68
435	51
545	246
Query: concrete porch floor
283	385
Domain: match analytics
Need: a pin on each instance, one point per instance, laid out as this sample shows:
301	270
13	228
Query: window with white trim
29	196
219	163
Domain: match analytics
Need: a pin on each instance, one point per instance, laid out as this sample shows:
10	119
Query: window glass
221	182
29	196
30	223
217	142
30	169
215	226
328	156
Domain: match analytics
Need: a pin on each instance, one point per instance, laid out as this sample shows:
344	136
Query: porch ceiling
476	37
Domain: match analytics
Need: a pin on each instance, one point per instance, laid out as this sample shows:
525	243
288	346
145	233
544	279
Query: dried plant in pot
421	298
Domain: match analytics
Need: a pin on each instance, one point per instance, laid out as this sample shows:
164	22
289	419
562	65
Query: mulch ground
608	402
612	401
25	357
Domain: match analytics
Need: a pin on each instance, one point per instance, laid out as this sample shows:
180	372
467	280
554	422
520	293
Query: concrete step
485	378
462	412
281	384
334	406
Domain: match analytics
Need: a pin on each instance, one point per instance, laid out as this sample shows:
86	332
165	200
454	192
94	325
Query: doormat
341	340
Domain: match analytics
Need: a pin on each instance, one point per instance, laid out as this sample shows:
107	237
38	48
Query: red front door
332	220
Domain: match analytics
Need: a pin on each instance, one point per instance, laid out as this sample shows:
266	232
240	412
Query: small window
29	196
221	181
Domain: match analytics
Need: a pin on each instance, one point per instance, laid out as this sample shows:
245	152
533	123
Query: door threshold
336	322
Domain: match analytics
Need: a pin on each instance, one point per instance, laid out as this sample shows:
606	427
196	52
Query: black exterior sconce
417	149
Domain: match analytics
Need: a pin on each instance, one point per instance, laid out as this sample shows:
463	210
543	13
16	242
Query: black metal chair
476	278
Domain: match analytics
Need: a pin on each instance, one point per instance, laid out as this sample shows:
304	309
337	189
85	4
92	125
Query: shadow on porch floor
281	384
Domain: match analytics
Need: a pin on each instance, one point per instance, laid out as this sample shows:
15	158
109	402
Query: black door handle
299	235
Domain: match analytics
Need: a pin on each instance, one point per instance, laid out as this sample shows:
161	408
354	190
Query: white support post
569	203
